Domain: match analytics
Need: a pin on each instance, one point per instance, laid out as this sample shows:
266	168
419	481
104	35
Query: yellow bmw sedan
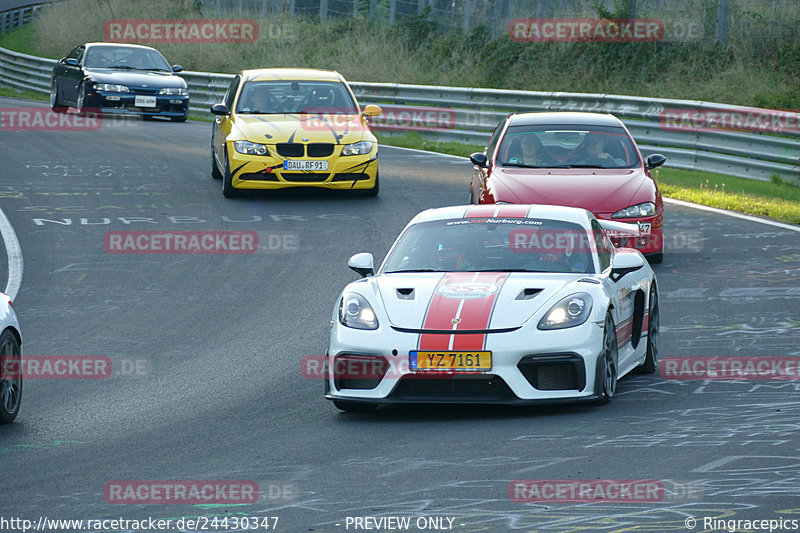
279	128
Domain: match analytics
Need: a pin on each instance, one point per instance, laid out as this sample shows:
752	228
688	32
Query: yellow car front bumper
267	172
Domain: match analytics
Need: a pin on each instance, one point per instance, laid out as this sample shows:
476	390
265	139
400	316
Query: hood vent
405	294
528	294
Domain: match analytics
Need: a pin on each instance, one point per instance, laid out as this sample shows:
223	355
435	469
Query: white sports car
10	362
505	304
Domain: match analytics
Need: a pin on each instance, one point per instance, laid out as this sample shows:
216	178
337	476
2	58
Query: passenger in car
527	150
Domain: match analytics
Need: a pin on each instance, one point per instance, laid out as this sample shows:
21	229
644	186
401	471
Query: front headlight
174	91
568	312
248	148
647	209
355	312
359	148
111	88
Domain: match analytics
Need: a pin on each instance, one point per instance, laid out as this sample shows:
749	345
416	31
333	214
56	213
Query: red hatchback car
583	160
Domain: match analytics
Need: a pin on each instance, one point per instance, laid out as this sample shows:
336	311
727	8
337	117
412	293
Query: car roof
120	45
563	117
575	215
300	74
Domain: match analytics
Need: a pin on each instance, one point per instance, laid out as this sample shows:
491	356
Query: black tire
655	259
355	407
55	102
215	173
10	385
80	103
650	364
228	190
606	381
376	189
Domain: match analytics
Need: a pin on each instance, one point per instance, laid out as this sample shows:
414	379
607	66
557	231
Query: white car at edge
507	304
10	362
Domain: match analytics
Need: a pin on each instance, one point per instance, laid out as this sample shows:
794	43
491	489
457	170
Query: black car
119	78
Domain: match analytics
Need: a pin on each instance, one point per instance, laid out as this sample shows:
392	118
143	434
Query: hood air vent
528	294
405	294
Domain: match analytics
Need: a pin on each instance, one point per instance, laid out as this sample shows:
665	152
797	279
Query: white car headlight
111	88
568	312
355	312
248	148
174	91
359	148
647	209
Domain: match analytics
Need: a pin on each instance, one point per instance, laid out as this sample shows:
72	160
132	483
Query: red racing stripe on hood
468	299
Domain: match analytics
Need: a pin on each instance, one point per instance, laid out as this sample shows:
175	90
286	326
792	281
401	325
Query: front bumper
266	172
562	367
125	104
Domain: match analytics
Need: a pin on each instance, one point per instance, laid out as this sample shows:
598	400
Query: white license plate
645	228
305	165
145	101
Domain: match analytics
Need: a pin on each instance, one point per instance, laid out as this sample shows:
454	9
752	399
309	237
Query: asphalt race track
207	350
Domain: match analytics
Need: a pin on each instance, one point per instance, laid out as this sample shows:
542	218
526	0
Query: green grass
757	67
774	199
20	40
30	95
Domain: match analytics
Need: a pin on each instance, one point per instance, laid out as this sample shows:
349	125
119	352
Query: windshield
274	97
125	57
554	146
492	244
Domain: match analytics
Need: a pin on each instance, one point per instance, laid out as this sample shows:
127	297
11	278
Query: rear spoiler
616	228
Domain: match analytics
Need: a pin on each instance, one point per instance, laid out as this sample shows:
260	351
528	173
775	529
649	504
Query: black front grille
476	389
350	177
359	371
143	90
303	178
319	149
290	149
259	176
554	372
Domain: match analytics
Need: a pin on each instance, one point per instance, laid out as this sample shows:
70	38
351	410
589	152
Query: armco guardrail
18	15
473	114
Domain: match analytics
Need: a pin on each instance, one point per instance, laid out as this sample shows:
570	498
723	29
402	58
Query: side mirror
220	109
177	68
480	159
625	263
655	160
71	61
362	263
372	110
